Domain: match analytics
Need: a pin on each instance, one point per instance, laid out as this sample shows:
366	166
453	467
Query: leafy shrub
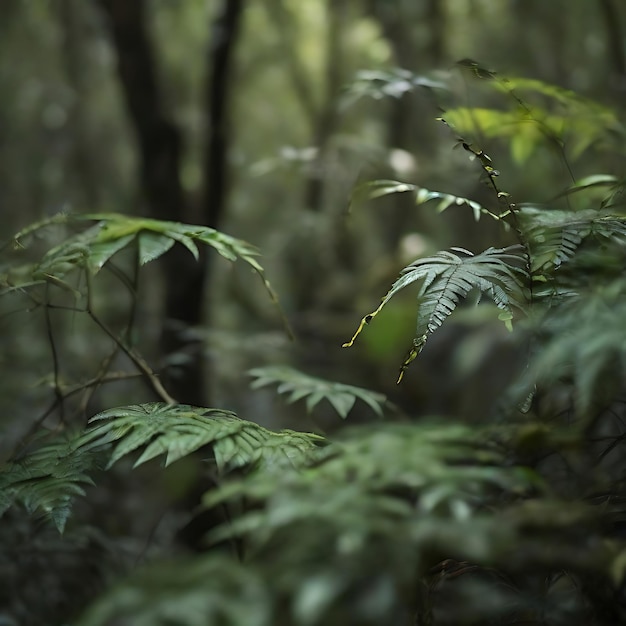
517	520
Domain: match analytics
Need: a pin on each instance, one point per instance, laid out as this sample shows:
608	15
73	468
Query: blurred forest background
249	116
239	115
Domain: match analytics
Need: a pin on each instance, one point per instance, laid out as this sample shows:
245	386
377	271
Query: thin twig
131	285
138	361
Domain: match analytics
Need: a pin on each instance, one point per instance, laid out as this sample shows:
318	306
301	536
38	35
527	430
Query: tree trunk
615	46
160	146
224	36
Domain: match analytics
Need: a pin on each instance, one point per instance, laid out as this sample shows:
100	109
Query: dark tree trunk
327	118
615	46
224	36
159	143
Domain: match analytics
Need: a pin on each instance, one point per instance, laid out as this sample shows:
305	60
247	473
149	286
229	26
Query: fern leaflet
298	385
379	188
48	479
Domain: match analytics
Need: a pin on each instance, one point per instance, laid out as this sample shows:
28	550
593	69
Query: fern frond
93	247
593	182
556	236
584	346
447	278
299	386
375	479
47	480
178	430
155	237
380	188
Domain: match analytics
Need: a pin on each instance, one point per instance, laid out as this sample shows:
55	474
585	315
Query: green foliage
379	84
94	246
539	113
447	278
344	539
380	188
361	530
299	386
176	593
448	470
518	517
556	236
584	348
47	480
179	430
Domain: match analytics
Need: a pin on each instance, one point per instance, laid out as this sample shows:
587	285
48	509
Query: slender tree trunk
328	117
225	32
159	143
615	46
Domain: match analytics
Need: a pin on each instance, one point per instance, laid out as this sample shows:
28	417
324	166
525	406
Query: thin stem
137	360
55	358
132	286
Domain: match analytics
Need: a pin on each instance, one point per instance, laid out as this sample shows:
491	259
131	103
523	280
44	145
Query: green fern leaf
447	278
100	252
115	226
47	480
556	236
152	246
379	188
592	182
177	430
112	232
91	249
584	346
297	386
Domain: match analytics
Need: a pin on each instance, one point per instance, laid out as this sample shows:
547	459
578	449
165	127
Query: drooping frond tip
412	354
364	321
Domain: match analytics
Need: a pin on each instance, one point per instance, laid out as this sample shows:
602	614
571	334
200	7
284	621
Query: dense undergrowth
516	519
